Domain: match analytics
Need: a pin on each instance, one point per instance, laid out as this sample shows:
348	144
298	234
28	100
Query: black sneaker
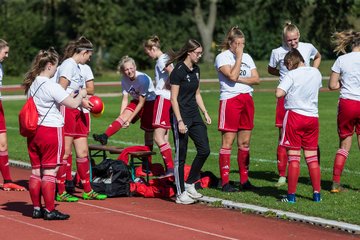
228	188
38	213
102	138
55	215
69	186
247	186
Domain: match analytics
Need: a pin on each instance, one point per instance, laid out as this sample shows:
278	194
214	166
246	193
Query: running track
140	218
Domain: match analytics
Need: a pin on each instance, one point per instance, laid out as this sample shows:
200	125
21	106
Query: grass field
263	171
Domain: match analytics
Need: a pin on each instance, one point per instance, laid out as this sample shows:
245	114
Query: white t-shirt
1	77
161	75
141	86
88	75
307	51
71	71
48	94
302	90
228	88
348	66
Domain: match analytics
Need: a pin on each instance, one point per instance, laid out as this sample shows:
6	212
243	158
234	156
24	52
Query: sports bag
111	177
28	117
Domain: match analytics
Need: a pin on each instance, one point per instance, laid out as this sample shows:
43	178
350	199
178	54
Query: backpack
28	117
111	177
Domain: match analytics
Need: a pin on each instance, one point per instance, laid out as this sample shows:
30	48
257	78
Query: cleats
281	182
38	213
191	191
69	186
65	197
184	198
336	188
102	138
290	198
12	187
247	186
316	197
55	215
92	195
228	188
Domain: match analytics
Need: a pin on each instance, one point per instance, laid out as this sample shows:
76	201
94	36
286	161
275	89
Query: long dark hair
181	55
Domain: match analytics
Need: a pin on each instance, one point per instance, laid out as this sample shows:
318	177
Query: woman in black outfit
187	121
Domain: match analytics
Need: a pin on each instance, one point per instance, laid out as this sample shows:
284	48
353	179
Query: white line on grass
158	221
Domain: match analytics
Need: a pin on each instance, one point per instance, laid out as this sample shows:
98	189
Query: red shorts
348	117
76	123
161	116
236	113
46	148
145	114
300	131
2	119
280	112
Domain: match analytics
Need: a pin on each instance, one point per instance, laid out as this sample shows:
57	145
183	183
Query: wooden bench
136	158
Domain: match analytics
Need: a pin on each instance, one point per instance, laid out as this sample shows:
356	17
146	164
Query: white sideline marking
42	228
158	221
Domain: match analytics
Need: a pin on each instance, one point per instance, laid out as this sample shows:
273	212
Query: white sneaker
190	189
184	198
281	182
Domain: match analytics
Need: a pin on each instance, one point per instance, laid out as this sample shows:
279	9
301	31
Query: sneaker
184	198
281	182
248	186
12	187
55	215
316	197
65	197
38	213
92	195
228	188
190	189
336	188
69	186
102	138
290	198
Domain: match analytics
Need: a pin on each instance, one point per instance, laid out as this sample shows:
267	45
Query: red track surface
140	218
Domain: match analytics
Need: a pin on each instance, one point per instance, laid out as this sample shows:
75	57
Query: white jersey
88	75
302	90
228	88
161	76
307	51
48	96
70	70
348	66
141	86
1	78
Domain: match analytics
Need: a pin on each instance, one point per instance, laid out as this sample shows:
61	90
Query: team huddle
61	88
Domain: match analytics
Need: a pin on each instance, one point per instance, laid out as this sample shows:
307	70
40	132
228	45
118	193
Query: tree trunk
206	29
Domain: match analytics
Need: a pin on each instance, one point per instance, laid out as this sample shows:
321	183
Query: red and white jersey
71	71
141	86
307	51
88	75
228	88
1	77
302	90
348	66
48	94
161	75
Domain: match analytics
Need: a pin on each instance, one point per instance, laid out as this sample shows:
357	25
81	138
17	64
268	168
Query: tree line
119	27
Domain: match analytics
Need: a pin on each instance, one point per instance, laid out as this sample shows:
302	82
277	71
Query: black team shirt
188	80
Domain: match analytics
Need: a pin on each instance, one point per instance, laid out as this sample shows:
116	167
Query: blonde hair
289	27
233	33
344	39
122	62
153	41
3	44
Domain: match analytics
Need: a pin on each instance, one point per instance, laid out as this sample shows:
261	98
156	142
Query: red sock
83	169
282	160
224	165
314	171
35	190
293	173
166	154
339	163
114	127
69	168
4	165
48	186
61	176
243	162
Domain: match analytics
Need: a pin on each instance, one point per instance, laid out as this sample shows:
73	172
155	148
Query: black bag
111	177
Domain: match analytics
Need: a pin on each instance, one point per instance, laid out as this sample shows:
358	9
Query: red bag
28	118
